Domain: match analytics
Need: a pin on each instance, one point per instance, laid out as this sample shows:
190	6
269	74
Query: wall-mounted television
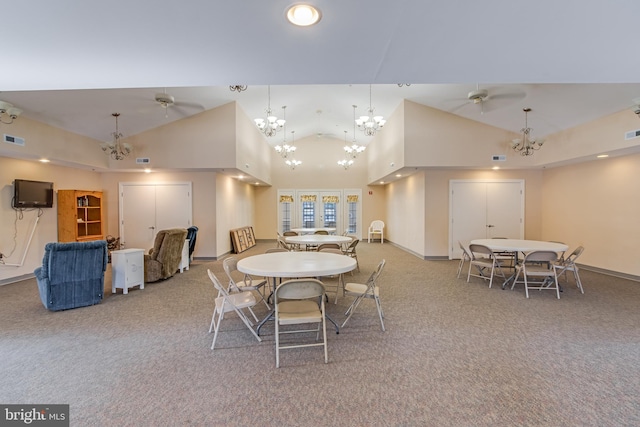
32	194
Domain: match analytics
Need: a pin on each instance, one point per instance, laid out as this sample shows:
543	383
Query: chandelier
117	149
370	124
525	145
354	149
293	163
237	88
272	124
9	111
285	149
345	163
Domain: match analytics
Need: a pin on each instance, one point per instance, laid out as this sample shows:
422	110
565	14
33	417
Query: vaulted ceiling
72	63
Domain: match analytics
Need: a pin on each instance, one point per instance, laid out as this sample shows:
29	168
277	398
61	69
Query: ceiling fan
167	101
489	100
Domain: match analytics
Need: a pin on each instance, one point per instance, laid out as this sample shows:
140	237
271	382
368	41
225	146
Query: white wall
15	226
596	204
234	209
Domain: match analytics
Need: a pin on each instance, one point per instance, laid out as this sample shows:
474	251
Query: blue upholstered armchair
72	274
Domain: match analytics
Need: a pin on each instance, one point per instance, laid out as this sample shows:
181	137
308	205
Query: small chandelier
370	124
354	149
117	149
285	149
525	145
272	124
237	88
345	163
293	163
9	111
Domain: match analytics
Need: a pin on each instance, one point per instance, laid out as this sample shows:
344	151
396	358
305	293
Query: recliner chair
72	274
163	260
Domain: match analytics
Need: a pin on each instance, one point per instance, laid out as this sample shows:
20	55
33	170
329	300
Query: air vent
499	158
15	140
629	135
143	160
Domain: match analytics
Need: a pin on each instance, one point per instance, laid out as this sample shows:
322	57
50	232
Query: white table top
313	230
520	245
296	264
317	239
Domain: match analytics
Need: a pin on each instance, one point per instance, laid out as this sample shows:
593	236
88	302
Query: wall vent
143	160
499	158
15	140
632	134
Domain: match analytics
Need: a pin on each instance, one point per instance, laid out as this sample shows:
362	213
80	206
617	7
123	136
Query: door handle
490	226
152	228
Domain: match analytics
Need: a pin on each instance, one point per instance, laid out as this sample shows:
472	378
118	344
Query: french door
339	209
319	209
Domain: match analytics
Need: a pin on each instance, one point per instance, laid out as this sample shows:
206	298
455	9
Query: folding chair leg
380	314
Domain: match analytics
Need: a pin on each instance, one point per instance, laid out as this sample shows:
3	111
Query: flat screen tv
32	194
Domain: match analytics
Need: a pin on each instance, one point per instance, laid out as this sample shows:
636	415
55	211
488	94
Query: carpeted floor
454	354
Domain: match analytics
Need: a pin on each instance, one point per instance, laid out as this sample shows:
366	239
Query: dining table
311	230
312	240
517	246
296	265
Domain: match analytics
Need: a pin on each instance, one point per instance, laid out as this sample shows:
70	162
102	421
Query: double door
146	209
484	210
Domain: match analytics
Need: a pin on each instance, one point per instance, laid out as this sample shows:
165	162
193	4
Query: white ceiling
72	63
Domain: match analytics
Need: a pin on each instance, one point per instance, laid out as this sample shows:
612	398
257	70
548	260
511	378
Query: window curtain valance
330	199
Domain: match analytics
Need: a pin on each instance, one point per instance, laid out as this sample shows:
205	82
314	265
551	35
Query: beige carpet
454	354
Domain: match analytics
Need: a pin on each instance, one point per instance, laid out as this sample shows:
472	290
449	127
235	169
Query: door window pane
308	215
330	215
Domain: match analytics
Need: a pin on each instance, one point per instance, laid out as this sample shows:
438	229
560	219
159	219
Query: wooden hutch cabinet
80	216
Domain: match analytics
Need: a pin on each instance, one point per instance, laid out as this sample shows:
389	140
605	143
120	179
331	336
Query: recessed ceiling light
495	168
147	170
398	175
44	160
303	15
603	156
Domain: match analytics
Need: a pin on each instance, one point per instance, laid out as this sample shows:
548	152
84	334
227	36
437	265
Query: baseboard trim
631	277
17	279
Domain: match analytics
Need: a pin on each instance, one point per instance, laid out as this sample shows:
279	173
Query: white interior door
505	210
485	209
137	216
173	206
147	208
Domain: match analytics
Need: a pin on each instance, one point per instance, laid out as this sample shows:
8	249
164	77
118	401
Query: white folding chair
484	259
569	264
538	265
465	257
247	283
300	301
225	303
365	290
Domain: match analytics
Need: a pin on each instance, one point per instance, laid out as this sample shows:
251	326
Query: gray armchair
72	274
164	258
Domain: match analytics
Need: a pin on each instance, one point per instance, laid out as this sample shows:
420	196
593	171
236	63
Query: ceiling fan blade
512	95
459	107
